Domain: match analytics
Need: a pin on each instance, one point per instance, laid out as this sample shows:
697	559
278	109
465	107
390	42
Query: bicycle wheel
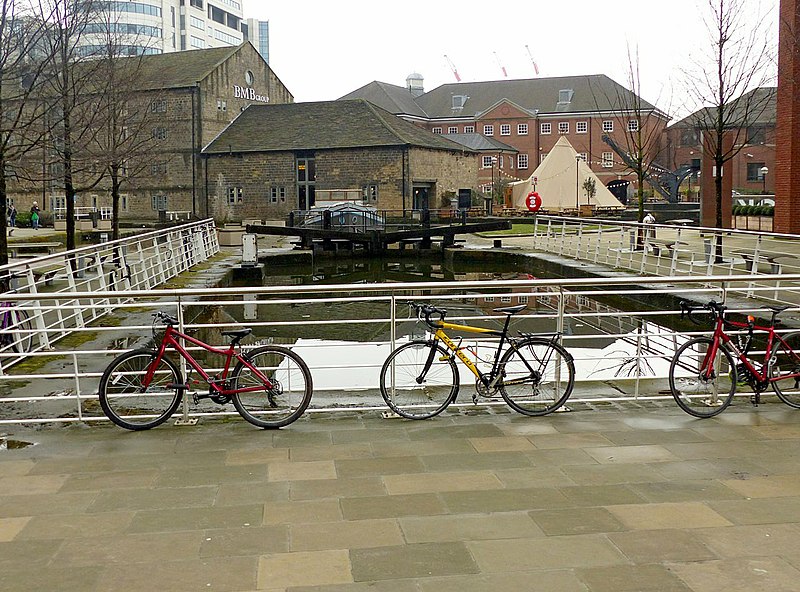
409	395
290	393
22	323
699	390
784	365
127	403
538	376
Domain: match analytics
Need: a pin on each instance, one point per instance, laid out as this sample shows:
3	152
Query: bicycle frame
172	339
771	336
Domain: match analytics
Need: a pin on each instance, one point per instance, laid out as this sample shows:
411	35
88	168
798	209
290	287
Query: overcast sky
329	48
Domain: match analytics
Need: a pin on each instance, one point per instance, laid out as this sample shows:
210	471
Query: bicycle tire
538	376
23	323
121	395
402	391
781	361
291	392
697	396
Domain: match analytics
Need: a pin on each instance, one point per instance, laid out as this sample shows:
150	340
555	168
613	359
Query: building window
563	127
608	160
487	161
633	125
452	130
581	127
522	129
277	194
756	135
505	129
234	195
505	299
160	133
522	299
158	106
436	130
608	125
546	128
158	202
584	156
754	170
197	23
158	169
370	193
489	299
197	42
522	161
488	130
690	137
542	156
222	105
469	129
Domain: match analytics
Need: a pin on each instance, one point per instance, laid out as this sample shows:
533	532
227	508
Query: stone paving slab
588	501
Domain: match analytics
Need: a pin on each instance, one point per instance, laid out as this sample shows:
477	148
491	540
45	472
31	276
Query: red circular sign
533	201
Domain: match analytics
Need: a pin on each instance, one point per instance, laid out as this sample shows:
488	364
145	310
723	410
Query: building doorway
421	195
306	182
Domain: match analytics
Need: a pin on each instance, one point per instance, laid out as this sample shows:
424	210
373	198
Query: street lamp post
577	181
763	170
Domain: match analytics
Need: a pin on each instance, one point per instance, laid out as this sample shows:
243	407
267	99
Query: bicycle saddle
238	333
510	310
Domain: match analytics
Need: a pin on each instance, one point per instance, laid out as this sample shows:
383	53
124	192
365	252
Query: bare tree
724	81
123	146
69	86
23	62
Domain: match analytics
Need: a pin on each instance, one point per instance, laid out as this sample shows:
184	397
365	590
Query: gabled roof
589	93
180	69
322	125
480	143
762	103
394	99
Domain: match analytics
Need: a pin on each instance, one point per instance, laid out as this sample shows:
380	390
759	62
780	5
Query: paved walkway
623	499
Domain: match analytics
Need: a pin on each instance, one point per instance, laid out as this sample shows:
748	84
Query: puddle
7	444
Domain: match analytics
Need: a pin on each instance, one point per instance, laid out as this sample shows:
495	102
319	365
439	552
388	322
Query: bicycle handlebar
168	319
713	307
424	312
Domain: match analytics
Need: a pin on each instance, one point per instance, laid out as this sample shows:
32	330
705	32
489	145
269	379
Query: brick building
754	144
183	100
333	145
529	116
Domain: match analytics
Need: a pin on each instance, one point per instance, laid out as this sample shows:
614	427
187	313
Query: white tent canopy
557	181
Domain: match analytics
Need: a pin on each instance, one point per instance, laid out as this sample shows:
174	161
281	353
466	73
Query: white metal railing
675	250
621	355
141	262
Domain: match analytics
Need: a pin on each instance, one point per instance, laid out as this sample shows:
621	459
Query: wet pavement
627	498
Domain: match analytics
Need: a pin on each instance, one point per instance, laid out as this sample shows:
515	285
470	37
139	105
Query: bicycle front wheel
125	400
286	397
702	386
22	323
783	369
419	380
538	376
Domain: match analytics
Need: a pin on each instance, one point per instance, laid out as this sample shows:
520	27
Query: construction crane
502	67
535	67
453	68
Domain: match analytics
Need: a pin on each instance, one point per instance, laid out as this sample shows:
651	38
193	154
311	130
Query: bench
775	262
17	250
662	245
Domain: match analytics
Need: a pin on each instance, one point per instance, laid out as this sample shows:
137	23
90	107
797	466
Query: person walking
12	216
35	216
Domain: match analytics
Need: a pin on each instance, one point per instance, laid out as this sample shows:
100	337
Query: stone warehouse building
529	116
276	158
182	101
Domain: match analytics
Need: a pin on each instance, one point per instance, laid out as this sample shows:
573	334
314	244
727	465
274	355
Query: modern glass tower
162	26
257	32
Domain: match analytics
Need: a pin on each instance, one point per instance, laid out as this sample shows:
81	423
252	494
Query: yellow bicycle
534	374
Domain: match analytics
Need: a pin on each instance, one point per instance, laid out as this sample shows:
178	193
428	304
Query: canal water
346	342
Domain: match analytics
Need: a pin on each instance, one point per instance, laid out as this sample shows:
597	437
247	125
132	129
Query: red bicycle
705	371
270	386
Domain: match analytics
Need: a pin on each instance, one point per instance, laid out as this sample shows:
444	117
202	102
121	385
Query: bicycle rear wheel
124	399
538	376
784	365
701	386
411	391
290	393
